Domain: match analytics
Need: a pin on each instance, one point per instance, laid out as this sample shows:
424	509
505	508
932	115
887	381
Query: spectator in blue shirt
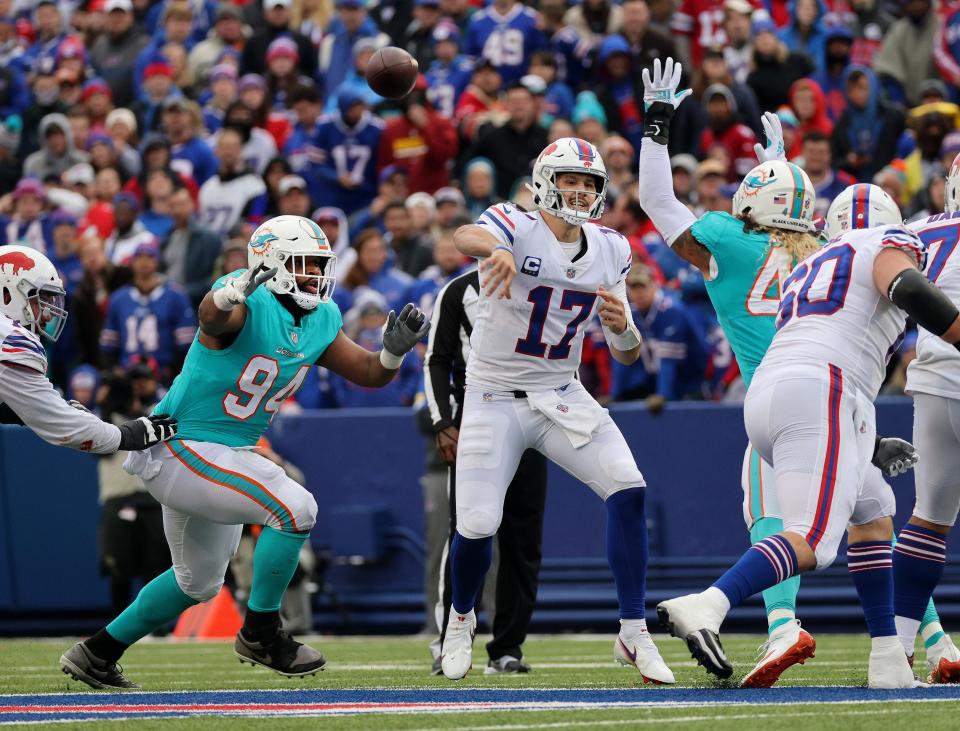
374	270
336	49
673	357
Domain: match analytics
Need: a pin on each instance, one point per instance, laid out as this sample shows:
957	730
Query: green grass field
583	663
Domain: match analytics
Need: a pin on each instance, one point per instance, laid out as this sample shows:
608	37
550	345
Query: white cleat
640	652
889	668
456	655
787	646
695	620
943	661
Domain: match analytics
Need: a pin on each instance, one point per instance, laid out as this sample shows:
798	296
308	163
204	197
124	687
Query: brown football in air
392	72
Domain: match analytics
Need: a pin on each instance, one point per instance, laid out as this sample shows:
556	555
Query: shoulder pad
21	347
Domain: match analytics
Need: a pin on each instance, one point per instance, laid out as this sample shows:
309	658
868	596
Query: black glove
147	431
401	334
894	456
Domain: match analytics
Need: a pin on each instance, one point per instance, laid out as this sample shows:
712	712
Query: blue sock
469	560
766	563
918	563
870	564
627	549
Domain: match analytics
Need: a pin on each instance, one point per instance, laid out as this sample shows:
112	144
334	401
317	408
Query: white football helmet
568	155
294	239
951	194
861	206
778	194
31	291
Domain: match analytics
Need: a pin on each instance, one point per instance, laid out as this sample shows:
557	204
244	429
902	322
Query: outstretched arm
497	265
672	219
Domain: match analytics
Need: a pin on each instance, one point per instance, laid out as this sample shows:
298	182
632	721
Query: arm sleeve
34	400
657	199
442	344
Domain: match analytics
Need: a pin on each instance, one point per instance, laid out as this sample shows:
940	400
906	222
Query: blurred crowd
142	141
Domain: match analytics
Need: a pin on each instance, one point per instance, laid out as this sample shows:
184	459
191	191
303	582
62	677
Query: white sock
883	643
907	632
630	627
777	614
717	601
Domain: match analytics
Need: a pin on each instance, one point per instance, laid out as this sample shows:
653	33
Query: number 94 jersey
832	312
533	341
229	396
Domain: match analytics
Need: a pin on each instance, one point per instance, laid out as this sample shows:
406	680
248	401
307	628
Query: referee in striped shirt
520	536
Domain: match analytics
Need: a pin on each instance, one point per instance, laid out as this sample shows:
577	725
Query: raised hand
235	291
662	86
402	333
774	132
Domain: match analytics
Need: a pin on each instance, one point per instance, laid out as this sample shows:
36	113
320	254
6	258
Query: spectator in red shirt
422	141
810	105
726	131
480	102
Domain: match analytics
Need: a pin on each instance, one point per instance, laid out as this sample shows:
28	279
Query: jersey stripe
500	212
506	231
235	481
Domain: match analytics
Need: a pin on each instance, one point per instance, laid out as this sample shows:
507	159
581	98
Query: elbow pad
914	294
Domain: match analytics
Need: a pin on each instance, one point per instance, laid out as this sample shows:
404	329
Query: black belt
519	394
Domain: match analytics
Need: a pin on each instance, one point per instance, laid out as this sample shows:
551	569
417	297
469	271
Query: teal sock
274	560
780	600
930	628
159	602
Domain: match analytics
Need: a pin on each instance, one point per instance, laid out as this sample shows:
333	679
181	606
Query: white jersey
831	311
533	341
25	388
224	202
936	369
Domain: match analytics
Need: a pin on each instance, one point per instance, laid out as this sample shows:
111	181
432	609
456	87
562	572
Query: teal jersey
229	396
745	290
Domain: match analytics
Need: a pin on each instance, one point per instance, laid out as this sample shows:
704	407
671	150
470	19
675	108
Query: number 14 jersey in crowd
533	341
229	396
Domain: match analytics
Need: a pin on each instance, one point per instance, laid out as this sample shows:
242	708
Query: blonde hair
797	244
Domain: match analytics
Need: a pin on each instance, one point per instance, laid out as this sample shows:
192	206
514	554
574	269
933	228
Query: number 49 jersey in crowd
831	311
229	396
533	341
936	369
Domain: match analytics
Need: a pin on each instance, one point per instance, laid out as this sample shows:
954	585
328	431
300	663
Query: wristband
390	361
221	298
502	247
656	122
627	340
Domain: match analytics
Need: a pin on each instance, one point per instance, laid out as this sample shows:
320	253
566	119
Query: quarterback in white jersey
933	379
31	308
809	412
543	276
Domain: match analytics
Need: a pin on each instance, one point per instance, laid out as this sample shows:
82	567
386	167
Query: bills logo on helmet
548	150
18	260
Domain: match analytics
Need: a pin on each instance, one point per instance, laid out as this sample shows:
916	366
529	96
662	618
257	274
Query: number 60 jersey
229	396
832	312
533	341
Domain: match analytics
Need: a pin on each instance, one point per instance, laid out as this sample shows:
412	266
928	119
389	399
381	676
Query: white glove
235	291
774	132
663	86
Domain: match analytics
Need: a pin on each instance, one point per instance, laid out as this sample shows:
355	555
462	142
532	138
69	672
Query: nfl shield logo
295	338
571	273
487	397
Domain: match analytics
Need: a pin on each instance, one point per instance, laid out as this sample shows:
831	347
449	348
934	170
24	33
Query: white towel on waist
579	417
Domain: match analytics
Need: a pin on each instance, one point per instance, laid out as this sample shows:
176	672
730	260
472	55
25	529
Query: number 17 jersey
229	396
533	341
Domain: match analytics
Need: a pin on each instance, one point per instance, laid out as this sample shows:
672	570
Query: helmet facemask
45	310
553	200
316	270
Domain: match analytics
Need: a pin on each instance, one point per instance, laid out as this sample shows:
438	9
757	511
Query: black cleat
506	665
706	649
81	664
437	668
281	653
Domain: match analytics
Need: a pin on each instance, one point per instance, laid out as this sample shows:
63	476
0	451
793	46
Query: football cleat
456	656
889	669
281	653
943	661
642	653
81	664
506	665
787	646
691	619
436	668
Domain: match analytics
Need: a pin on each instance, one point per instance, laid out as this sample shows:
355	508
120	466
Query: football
392	72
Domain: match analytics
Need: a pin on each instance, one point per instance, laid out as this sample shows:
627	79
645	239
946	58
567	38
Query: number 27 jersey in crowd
229	396
831	311
533	341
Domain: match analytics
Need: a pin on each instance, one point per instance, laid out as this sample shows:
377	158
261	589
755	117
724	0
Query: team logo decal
531	266
753	184
263	242
563	408
18	260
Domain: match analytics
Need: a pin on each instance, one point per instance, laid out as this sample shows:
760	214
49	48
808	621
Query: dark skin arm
689	249
218	328
358	365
